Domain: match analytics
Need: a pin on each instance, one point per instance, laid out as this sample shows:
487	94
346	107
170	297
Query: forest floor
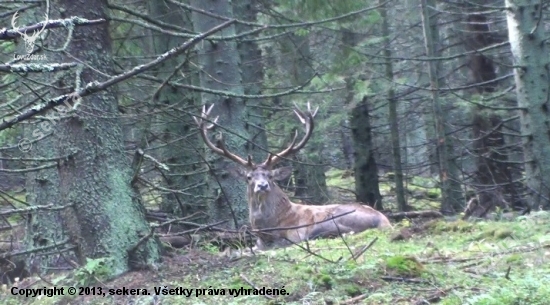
431	262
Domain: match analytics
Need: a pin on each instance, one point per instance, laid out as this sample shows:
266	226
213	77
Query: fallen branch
415	214
355	299
403	279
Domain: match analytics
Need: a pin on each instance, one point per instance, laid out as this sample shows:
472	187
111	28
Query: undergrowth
447	263
444	262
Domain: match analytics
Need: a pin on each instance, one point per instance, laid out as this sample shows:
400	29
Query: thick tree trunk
106	219
366	172
221	70
530	51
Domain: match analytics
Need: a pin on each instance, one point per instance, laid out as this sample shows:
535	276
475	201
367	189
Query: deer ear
237	172
281	173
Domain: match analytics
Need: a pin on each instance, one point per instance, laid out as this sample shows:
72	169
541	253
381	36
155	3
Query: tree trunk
106	219
392	104
252	77
366	172
451	193
44	228
221	70
493	175
309	173
182	156
530	51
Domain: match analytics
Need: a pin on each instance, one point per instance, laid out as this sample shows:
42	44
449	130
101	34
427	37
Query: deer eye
249	177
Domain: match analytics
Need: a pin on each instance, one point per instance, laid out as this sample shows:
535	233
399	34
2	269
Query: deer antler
30	39
14	26
307	120
222	149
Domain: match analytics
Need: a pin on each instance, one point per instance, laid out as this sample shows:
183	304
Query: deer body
274	209
270	208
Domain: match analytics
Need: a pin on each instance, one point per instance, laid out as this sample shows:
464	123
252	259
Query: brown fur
273	209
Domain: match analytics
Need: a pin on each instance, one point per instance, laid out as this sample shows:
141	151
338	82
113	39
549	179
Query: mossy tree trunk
44	228
106	219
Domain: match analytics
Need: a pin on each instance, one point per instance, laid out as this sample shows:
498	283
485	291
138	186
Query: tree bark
530	51
186	172
494	181
392	105
366	171
452	199
309	172
106	219
221	70
252	78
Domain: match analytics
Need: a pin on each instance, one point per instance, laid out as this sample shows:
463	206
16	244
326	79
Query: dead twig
355	299
403	279
363	250
507	275
254	286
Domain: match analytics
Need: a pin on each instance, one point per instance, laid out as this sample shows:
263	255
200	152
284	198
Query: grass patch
486	262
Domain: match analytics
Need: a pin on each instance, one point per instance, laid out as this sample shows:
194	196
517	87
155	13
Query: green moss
324	280
404	266
433	193
441	226
495	233
352	290
514	258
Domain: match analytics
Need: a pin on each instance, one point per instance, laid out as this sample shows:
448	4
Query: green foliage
210	248
352	290
94	269
301	32
324	280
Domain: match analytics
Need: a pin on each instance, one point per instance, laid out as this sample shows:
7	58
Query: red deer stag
269	206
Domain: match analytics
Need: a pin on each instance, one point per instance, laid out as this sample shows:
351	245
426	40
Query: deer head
29	38
260	176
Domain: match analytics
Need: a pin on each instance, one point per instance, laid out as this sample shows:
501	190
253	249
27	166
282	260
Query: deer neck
267	210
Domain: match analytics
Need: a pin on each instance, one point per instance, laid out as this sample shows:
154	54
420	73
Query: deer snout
262	187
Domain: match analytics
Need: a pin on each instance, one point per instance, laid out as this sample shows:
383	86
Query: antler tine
307	120
13	19
203	127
